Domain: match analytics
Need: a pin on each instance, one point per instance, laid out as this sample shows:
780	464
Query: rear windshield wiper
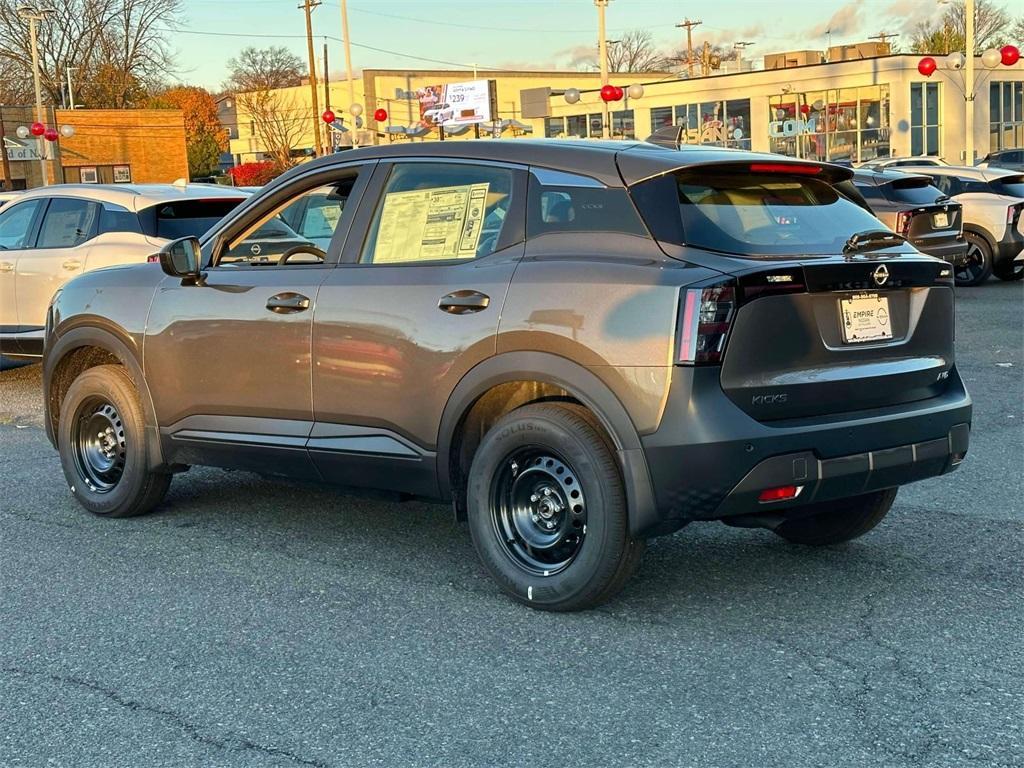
872	239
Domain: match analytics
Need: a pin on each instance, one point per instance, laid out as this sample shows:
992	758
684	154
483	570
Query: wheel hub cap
99	445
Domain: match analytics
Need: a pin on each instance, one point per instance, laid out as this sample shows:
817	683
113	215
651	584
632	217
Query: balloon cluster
1008	55
40	129
608	93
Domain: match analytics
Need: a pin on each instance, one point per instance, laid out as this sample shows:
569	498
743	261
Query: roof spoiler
669	136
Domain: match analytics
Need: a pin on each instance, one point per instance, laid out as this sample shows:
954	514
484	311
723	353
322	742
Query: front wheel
833	522
101	438
547	509
976	265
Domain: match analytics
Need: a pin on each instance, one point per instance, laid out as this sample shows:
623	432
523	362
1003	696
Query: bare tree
259	78
949	32
117	48
636	52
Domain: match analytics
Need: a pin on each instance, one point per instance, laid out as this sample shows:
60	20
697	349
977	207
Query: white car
901	162
52	234
993	201
439	114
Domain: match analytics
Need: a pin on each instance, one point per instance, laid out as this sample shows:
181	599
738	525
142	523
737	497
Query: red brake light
903	222
792	168
782	493
704	323
153	258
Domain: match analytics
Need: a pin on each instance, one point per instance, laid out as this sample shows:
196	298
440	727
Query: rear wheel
101	437
833	522
976	265
547	509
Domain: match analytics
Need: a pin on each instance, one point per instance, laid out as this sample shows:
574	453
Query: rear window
911	191
1009	185
751	214
185	217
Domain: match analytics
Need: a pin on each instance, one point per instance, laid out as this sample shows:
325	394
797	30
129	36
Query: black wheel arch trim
108	340
980	231
582	384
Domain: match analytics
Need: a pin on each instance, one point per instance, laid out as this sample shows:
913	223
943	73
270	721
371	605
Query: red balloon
327	116
380	115
805	109
607	93
619	93
38	129
1010	54
927	66
50	134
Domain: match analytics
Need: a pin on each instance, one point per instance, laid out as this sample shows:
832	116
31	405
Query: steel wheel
99	445
974	267
538	511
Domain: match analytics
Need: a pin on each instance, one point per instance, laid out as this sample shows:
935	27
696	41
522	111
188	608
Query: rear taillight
1013	214
903	222
704	320
153	258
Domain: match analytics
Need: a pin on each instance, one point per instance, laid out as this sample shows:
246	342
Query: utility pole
883	37
328	140
71	92
308	6
8	182
33	15
689	25
602	53
741	48
969	79
348	54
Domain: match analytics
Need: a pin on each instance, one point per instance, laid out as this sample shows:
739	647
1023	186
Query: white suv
992	200
52	234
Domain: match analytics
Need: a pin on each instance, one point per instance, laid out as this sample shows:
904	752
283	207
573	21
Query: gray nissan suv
579	345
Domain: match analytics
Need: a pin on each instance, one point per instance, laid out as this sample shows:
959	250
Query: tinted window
16	224
439	212
116	219
185	217
912	191
870	191
759	214
553	208
1009	185
68	223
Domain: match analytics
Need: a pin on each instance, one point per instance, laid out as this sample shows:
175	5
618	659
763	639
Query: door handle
463	302
71	264
6	266
287	303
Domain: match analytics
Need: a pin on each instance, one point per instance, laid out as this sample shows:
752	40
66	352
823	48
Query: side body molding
109	341
582	384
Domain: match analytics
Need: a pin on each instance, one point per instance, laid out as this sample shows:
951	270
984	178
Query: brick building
108	146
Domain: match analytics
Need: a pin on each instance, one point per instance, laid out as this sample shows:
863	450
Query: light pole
969	73
71	92
34	14
602	52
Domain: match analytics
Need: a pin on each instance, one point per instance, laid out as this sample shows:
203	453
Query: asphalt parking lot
252	623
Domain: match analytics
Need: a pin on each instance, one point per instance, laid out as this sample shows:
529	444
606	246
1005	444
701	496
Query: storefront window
554	127
596	126
842	125
576	125
924	119
1006	115
660	118
622	124
719	123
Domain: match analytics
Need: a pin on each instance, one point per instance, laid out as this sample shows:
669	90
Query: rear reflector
704	323
797	168
782	493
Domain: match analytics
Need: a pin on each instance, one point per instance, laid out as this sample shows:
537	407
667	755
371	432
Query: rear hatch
805	322
926	217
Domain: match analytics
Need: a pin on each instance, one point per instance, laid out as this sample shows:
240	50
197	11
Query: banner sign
456	104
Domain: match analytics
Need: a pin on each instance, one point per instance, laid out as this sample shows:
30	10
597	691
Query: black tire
587	555
1008	270
108	473
977	263
833	522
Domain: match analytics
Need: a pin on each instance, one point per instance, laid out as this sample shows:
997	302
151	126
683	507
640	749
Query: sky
517	34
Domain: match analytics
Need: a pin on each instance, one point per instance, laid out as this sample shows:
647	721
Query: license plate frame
940	220
865	318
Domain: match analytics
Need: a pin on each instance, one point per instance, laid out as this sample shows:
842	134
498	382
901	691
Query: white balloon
635	91
572	95
991	58
23	132
67	131
356	110
955	60
818	105
780	113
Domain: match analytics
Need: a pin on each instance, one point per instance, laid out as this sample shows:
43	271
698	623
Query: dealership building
860	104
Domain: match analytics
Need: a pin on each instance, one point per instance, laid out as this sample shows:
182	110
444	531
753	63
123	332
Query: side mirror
182	258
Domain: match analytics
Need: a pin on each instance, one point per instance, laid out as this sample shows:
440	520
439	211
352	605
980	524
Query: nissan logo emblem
256	250
881	275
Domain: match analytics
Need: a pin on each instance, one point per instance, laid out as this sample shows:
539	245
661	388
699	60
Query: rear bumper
709	460
950	252
1009	249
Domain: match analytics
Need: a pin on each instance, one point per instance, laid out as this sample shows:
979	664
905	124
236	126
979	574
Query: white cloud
848	20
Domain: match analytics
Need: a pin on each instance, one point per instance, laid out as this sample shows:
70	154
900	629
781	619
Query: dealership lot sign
457	104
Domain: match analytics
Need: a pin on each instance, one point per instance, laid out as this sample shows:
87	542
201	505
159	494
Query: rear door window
68	222
182	218
561	206
751	214
913	191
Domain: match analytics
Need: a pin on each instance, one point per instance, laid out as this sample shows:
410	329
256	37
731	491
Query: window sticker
431	224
